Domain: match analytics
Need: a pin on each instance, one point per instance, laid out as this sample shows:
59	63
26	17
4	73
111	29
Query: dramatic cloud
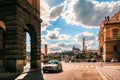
90	39
55	35
43	40
44	25
54	48
48	13
53	3
56	11
44	15
89	13
28	47
85	13
63	46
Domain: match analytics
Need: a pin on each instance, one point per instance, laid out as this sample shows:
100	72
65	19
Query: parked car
66	60
93	60
88	60
52	65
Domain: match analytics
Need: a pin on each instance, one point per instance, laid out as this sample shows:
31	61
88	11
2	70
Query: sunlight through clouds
82	15
55	35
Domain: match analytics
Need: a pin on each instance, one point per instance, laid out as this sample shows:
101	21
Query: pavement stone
34	74
8	76
109	72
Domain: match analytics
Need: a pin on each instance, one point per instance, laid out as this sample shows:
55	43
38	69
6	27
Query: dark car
93	60
52	65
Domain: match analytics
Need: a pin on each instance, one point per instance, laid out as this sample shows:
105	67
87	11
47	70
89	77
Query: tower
46	49
83	45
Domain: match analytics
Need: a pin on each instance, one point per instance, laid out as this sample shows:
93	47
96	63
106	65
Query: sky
66	22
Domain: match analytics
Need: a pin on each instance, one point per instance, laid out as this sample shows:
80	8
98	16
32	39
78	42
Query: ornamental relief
116	17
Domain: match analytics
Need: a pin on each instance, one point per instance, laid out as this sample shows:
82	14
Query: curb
103	74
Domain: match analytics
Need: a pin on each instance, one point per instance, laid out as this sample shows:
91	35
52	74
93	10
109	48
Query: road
76	71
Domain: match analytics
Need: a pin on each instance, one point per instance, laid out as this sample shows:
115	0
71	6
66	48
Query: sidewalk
30	75
109	72
34	74
8	76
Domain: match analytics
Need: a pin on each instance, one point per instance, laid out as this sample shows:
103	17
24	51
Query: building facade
18	17
109	38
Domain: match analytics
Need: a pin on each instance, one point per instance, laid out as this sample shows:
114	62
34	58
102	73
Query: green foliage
89	55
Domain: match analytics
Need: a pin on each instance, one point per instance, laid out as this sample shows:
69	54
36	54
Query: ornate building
109	38
18	17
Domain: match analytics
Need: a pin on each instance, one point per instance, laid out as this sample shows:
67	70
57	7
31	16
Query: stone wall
20	17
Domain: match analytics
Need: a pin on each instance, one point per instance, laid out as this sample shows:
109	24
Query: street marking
91	66
21	76
86	66
78	67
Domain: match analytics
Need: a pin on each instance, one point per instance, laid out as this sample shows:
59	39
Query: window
115	33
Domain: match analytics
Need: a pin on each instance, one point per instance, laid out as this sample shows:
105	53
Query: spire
74	47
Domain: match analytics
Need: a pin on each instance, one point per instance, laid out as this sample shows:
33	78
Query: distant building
46	49
109	38
74	48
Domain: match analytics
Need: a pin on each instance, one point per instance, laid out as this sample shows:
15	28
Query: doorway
27	66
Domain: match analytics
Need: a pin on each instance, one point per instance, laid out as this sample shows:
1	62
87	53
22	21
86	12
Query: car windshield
52	62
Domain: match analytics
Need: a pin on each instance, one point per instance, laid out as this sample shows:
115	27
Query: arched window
115	33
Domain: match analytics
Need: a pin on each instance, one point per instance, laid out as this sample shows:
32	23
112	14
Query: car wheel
57	70
61	70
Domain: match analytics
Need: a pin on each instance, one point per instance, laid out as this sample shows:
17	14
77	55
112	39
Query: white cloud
90	39
89	13
56	11
28	47
88	36
54	48
67	46
43	40
62	46
86	13
44	15
44	11
64	37
55	35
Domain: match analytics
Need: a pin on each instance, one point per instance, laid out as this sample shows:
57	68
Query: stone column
14	59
